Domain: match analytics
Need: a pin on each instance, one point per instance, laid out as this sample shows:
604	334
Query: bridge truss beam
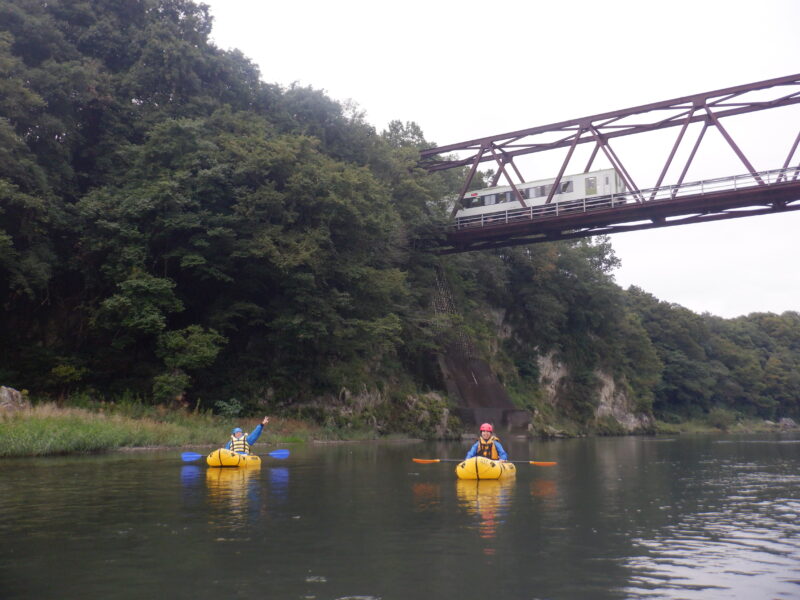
708	108
783	196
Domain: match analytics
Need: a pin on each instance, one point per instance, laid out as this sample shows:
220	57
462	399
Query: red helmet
487	427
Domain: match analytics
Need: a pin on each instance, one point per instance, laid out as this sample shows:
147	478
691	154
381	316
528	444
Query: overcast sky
466	69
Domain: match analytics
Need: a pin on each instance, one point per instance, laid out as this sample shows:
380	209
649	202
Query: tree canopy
172	226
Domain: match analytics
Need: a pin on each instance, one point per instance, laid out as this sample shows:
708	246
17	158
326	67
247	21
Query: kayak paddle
538	463
192	456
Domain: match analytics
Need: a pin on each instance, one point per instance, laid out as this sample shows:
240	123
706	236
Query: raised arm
251	439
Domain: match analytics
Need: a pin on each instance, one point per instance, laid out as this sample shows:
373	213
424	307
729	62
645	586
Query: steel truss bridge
665	204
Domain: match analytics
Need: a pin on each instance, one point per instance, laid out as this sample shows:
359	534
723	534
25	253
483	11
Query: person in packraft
488	445
240	441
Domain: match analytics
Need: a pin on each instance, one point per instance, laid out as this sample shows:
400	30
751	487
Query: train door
590	186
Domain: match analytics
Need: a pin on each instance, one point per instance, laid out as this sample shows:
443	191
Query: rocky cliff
612	403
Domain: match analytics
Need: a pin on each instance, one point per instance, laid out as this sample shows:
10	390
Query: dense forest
174	229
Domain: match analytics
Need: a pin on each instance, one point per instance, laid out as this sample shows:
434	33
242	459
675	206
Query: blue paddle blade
279	454
191	456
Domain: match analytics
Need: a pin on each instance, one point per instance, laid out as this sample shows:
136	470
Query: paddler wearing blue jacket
240	441
488	445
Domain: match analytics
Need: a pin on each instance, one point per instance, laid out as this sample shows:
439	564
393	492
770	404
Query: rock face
551	372
425	415
11	399
613	402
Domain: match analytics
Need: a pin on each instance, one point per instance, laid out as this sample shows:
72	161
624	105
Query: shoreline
49	430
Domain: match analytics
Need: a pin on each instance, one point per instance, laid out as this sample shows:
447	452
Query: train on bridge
582	192
599	202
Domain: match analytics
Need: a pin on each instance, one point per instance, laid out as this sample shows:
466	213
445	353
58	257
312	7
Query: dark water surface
691	517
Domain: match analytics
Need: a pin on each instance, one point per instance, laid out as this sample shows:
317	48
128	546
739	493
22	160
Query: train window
566	186
591	186
471	202
489	199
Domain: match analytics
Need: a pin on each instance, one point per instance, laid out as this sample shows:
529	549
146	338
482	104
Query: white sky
468	69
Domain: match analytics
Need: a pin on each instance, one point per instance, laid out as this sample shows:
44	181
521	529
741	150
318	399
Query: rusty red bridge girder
750	193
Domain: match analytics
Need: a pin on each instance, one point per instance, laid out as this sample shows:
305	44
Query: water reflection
697	518
233	492
190	474
747	547
279	484
489	501
545	489
426	495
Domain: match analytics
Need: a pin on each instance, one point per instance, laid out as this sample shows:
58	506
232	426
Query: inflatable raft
479	467
227	458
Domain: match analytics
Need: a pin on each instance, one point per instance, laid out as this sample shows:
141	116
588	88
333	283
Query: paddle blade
426	461
191	456
539	463
279	454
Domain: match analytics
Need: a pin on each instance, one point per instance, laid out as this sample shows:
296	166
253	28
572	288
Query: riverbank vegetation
174	229
50	430
47	429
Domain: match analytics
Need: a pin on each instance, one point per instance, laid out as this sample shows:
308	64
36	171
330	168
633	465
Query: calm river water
691	517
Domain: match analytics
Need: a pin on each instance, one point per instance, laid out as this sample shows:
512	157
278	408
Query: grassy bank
46	429
741	426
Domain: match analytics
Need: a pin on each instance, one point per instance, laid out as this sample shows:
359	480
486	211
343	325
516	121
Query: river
691	517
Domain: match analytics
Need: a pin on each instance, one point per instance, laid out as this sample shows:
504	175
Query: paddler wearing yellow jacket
488	445
240	442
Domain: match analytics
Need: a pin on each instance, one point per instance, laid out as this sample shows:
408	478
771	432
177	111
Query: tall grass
47	429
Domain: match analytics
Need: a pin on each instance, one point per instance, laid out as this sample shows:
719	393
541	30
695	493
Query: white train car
585	191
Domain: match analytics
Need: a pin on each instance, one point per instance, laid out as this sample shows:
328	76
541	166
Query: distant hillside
176	230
